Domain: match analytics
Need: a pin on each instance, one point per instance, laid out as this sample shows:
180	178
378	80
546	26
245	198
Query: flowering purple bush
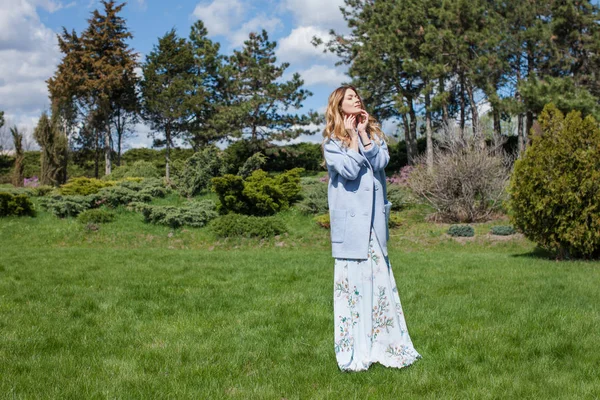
31	182
401	178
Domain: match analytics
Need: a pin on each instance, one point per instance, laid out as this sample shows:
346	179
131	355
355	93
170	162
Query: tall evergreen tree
110	87
167	88
209	90
259	104
96	77
17	178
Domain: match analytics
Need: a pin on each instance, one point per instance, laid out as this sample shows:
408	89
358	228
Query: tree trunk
462	105
474	112
119	129
497	129
409	155
168	155
442	89
529	114
520	137
428	131
97	152
413	129
107	151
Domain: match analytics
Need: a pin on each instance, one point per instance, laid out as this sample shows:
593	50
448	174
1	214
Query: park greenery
195	271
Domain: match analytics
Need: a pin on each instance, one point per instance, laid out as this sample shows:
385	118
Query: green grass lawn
140	311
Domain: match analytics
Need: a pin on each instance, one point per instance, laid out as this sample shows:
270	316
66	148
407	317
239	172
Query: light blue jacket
357	197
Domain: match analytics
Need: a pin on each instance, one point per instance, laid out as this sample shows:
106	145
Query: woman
369	323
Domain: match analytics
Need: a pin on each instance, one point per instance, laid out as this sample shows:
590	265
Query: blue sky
29	54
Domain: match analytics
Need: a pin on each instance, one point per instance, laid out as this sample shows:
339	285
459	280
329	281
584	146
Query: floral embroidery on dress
380	319
346	340
401	352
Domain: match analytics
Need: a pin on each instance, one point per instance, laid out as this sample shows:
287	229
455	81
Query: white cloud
297	49
256	24
28	57
322	75
221	16
323	14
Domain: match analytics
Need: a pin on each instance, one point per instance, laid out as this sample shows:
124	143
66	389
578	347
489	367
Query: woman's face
351	103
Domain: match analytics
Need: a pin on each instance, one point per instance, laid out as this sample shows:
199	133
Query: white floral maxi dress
369	322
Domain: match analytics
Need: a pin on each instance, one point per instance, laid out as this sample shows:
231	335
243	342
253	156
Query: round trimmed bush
502	230
461	231
555	187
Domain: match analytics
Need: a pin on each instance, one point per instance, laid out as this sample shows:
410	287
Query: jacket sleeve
345	162
378	155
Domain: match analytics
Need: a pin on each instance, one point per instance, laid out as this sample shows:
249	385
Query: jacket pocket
338	225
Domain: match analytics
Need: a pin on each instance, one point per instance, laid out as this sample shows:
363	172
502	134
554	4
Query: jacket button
367	189
376	187
383	211
352	214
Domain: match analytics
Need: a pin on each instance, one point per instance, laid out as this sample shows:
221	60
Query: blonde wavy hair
334	119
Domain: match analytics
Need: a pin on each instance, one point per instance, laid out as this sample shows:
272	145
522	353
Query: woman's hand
363	121
350	125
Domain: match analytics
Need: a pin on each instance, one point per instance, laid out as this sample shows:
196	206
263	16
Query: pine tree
110	87
17	178
96	78
208	94
258	104
167	88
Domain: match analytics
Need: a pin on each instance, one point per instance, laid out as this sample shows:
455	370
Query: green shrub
197	214
232	225
323	221
83	186
25	191
555	191
193	176
502	230
42	190
66	206
260	194
149	186
96	216
119	195
18	205
140	169
304	155
253	163
314	198
461	231
400	197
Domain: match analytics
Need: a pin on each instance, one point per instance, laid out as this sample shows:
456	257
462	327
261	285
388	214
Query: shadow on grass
538	253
